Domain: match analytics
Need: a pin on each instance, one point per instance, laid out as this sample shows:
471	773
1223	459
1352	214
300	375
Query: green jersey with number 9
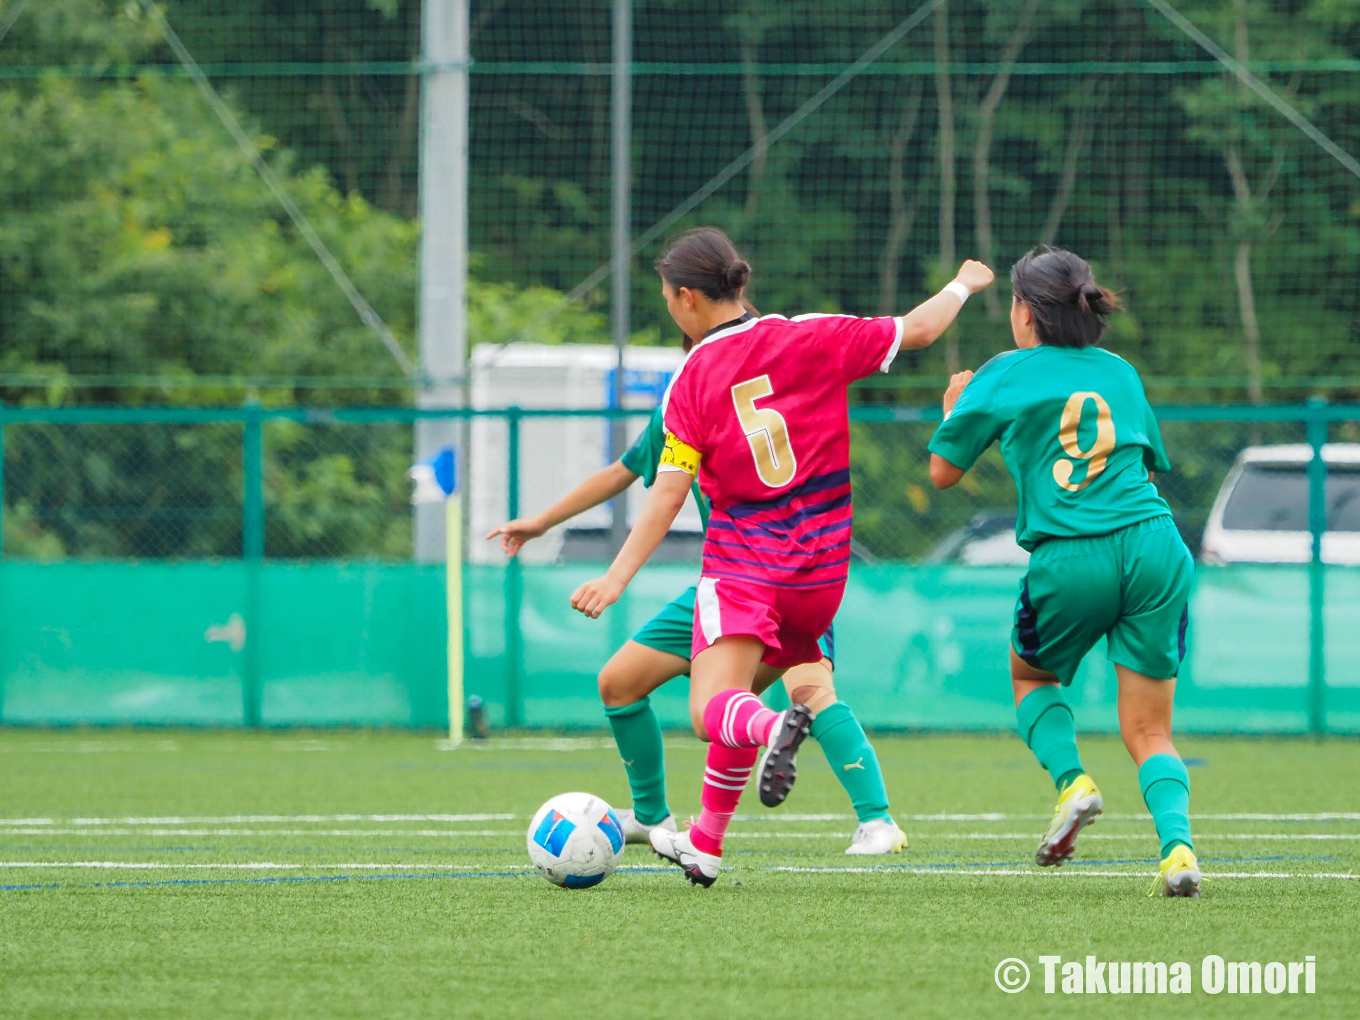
1077	435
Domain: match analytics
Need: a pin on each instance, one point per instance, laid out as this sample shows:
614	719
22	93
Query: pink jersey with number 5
763	406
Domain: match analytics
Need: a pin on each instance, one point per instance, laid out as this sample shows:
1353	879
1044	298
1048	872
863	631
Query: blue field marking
281	880
301	879
1149	861
104	848
594	880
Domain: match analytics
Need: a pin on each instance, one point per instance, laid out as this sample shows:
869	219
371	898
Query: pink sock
736	718
724	779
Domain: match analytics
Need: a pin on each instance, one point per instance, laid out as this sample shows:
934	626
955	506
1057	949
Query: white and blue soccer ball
575	840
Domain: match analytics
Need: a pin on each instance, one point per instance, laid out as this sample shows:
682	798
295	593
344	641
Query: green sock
1047	726
1166	791
852	758
638	737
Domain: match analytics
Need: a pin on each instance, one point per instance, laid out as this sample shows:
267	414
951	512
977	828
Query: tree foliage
137	241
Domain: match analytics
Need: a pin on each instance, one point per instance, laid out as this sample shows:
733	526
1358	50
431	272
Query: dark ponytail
705	260
1068	306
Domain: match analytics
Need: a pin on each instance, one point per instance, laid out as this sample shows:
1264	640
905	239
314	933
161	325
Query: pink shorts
788	621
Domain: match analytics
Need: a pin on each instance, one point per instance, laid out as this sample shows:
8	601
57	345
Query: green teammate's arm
600	487
943	473
664	501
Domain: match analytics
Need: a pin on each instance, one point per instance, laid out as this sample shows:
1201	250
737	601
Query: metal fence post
2	552
514	587
1316	431
252	552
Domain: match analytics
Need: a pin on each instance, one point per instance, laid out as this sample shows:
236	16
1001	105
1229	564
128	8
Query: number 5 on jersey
1100	450
766	431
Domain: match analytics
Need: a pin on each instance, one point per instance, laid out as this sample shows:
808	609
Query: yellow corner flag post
454	597
436	481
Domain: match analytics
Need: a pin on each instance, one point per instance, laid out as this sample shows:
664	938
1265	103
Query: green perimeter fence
256	567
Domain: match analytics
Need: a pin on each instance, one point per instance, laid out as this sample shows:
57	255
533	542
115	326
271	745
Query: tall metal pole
443	244
1317	525
621	141
252	553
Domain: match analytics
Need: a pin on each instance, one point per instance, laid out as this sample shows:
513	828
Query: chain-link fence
184	485
1200	154
267	554
170	484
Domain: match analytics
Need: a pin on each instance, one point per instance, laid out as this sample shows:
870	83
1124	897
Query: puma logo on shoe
854	765
627	763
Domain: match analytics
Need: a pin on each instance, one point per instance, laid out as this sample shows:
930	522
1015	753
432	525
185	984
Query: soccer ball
575	840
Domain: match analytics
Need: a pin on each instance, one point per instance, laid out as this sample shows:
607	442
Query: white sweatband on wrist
958	290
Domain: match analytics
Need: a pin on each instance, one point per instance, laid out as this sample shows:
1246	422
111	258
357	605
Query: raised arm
600	487
924	324
663	504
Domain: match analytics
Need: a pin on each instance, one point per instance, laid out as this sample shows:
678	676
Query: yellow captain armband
677	455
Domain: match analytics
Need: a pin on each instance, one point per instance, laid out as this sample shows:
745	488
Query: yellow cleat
1180	875
1077	808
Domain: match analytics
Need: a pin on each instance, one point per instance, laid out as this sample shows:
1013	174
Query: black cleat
777	771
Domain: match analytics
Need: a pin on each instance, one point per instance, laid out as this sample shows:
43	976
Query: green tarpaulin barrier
358	644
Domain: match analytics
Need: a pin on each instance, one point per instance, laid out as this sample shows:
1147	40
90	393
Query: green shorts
1131	587
672	630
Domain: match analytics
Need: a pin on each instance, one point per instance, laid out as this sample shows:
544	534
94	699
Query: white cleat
637	832
878	836
700	868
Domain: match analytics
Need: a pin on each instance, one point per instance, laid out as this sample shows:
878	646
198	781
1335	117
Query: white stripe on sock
730	719
758	709
725	730
731	777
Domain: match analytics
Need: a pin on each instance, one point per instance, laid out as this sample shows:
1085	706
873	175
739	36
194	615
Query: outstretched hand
594	597
513	534
957	383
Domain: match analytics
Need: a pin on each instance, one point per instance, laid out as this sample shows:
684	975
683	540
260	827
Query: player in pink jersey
758	412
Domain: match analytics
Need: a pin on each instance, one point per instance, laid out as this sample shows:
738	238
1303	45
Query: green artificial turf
445	918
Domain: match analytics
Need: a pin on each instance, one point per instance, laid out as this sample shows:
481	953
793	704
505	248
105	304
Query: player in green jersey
1080	440
660	651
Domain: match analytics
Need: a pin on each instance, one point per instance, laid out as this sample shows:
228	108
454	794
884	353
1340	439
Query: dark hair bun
736	275
1068	306
704	260
1091	297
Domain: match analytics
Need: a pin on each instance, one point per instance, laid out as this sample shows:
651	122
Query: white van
1261	513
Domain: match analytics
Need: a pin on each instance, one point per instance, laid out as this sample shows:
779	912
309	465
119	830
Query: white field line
280	866
557	744
1083	872
83	824
812	870
928	837
1200	836
102	832
1194	816
255	819
242	866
